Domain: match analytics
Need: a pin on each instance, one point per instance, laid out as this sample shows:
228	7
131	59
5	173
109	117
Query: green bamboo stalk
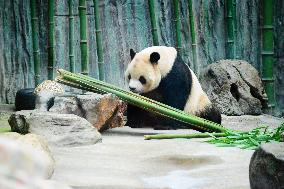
177	22
71	37
99	41
37	63
230	42
192	35
268	51
51	39
91	84
83	37
151	4
188	136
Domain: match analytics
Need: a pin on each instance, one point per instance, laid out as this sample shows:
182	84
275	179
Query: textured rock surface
266	169
57	129
33	144
103	111
234	87
26	162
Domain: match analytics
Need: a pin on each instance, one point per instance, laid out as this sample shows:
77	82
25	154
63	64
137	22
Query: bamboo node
83	41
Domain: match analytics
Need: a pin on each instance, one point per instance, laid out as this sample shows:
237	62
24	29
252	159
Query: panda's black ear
132	53
154	57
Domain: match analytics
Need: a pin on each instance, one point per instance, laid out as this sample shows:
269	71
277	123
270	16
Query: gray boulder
102	111
266	170
234	86
57	129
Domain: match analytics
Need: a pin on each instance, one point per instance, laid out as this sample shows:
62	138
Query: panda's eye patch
129	77
142	79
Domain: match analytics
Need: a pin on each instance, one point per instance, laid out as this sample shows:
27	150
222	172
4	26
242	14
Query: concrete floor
125	160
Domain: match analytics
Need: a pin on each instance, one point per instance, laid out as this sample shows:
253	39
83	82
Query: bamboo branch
37	63
230	15
192	35
71	37
151	4
51	39
83	37
268	51
99	41
188	136
177	22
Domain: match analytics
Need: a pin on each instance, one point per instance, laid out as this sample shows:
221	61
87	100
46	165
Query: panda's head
148	67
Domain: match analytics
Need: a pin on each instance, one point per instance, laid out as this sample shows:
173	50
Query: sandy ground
125	160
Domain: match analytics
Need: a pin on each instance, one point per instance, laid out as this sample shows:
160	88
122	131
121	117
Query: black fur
25	99
211	113
132	53
154	57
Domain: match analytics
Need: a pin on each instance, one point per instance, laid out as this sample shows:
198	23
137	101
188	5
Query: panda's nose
132	88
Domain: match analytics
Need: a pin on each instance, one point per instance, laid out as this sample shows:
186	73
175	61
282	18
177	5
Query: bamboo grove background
210	30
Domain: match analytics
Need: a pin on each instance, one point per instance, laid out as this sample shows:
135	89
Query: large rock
234	86
57	129
103	111
266	170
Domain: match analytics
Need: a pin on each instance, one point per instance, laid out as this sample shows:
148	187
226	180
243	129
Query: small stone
57	129
266	170
234	87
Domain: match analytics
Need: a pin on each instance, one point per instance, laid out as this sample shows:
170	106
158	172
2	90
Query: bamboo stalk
188	136
230	41
83	37
177	22
51	39
71	37
151	4
37	63
268	51
192	35
99	41
91	84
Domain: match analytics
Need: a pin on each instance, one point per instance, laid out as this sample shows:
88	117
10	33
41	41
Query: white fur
136	84
197	99
167	57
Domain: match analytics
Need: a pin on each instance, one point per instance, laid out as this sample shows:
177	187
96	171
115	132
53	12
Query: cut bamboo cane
151	4
230	41
91	84
99	41
83	37
192	35
51	39
177	22
268	51
71	37
35	34
188	136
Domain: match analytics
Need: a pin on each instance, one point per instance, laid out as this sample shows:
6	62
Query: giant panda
159	73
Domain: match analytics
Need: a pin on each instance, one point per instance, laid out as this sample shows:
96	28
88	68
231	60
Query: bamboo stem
192	35
91	84
51	39
268	51
83	37
177	22
188	136
99	41
71	37
153	22
230	15
35	33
